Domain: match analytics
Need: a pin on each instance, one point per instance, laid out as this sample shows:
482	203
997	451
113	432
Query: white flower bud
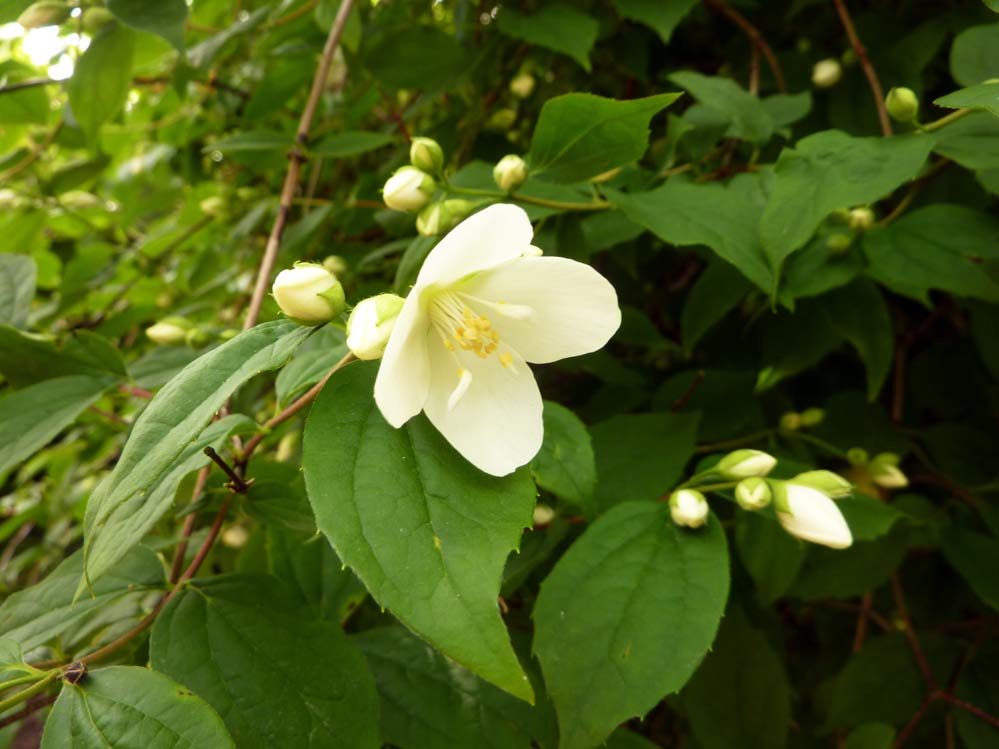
308	293
688	508
885	472
543	515
235	537
170	331
829	483
810	515
80	200
522	85
10	200
856	456
371	323
812	417
510	172
827	72
409	189
213	206
902	104
753	493
443	216
426	155
742	464
790	422
336	264
861	218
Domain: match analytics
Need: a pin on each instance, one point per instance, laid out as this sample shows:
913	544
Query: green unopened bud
688	508
336	264
522	85
861	218
753	493
426	154
885	472
195	338
856	456
510	172
308	293
902	104
80	200
811	417
170	331
838	242
371	323
502	120
829	483
742	464
44	13
95	19
213	206
228	334
827	73
235	537
10	200
790	422
443	216
409	189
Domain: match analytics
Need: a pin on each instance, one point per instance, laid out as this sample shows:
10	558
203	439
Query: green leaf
869	518
31	417
978	685
625	617
425	531
164	18
277	677
717	291
36	615
844	573
623	444
565	465
205	53
129	706
662	17
974	556
17	288
29	106
163	445
102	78
972	141
793	343
431	703
253	140
974	56
723	217
858	313
415	57
748	118
772	556
981	96
29	359
579	136
350	143
827	171
871	736
555	26
940	246
739	696
11	9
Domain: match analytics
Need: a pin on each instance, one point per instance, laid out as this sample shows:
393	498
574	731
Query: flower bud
426	155
856	456
80	200
827	73
95	19
213	206
742	464
443	216
510	172
522	85
501	120
195	338
44	13
409	189
829	483
170	331
902	104
753	493
235	537
371	323
885	472
810	515
308	293
838	242
688	508
543	515
335	264
812	417
10	200
861	218
790	422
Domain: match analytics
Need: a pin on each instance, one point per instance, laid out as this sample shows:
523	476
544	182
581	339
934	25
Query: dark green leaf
772	556
102	78
352	143
858	314
565	465
17	288
164	18
972	141
718	290
843	573
625	617
975	556
253	140
974	56
663	17
420	57
205	53
554	26
870	736
981	96
28	359
748	118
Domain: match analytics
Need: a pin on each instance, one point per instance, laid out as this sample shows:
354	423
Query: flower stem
559	205
947	119
819	443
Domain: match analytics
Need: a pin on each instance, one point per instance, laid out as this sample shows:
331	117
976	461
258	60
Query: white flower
510	172
480	310
408	189
812	516
371	323
308	293
688	508
742	464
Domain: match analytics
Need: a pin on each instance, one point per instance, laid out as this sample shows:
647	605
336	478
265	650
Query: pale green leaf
102	78
555	26
164	18
351	143
17	288
859	314
748	118
980	96
974	56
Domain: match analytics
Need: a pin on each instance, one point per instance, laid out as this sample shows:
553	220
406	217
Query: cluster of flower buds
792	421
411	187
882	469
176	331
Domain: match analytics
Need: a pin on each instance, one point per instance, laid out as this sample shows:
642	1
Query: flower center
460	326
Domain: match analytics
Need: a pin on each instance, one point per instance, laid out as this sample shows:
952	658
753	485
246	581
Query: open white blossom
482	307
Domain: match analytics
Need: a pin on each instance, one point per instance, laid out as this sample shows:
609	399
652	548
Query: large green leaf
27	360
663	17
718	290
425	531
579	136
163	444
772	556
128	707
827	171
240	642
352	143
36	615
102	77
431	703
748	118
981	96
940	246
974	556
565	465
554	26
420	57
17	288
739	697
859	314
974	56
973	141
164	18
723	217
625	617
31	417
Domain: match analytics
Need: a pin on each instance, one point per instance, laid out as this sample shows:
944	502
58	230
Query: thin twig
682	401
910	633
754	36
914	721
865	64
30	158
969	708
33	707
295	159
30	83
236	483
862	616
177	566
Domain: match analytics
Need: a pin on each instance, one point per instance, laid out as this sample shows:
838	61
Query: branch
30	83
295	159
754	36
865	63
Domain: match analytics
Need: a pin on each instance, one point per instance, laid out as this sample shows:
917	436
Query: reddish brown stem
34	707
862	616
910	634
969	708
865	64
755	37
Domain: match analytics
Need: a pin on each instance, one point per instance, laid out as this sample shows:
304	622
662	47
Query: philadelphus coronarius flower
482	307
812	516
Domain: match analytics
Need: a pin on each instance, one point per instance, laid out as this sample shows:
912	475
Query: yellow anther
506	359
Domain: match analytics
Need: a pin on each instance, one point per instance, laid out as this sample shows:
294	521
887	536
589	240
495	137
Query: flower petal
404	374
496	422
575	308
487	238
814	517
